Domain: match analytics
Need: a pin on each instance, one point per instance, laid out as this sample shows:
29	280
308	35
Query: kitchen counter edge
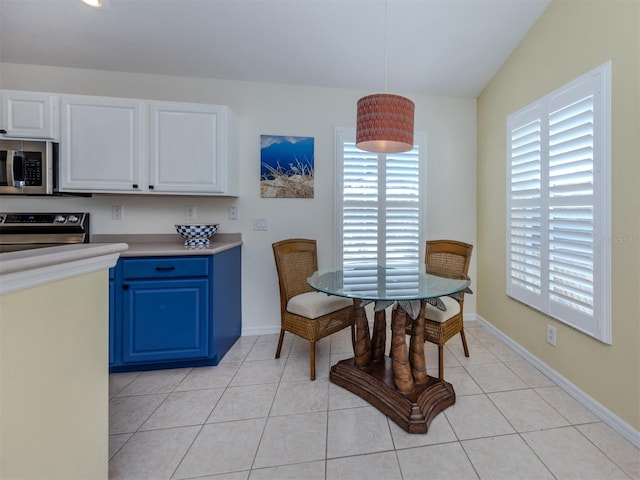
166	245
170	249
32	268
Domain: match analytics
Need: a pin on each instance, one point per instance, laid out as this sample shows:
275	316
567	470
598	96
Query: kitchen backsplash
137	214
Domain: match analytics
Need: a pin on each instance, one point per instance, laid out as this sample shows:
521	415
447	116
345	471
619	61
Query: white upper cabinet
28	114
102	145
116	145
192	149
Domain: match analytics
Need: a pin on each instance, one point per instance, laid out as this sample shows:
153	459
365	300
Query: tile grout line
227	386
195	437
266	421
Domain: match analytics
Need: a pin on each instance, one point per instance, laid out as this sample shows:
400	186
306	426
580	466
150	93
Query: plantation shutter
360	205
558	204
379	207
571	204
525	250
402	207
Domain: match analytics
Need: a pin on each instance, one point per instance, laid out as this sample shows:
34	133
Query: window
559	206
379	203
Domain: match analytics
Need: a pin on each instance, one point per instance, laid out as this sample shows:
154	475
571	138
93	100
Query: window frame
596	83
343	135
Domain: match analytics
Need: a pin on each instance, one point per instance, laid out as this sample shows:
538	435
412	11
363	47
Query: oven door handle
11	181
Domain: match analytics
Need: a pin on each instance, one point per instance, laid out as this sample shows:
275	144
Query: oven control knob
60	219
73	219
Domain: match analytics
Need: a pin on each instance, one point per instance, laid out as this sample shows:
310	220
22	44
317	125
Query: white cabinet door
102	147
29	114
189	148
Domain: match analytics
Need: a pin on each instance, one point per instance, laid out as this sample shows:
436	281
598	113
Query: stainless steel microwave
28	167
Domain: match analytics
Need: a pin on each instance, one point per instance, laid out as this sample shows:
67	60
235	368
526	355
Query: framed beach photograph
286	166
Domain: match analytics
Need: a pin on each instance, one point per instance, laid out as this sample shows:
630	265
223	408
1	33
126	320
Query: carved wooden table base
397	385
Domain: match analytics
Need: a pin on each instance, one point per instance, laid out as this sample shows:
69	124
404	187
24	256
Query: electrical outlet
551	335
260	223
190	212
233	213
117	212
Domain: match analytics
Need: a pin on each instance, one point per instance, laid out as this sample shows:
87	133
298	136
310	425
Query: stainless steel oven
28	167
25	231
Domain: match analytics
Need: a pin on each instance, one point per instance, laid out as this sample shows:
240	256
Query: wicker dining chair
449	257
304	311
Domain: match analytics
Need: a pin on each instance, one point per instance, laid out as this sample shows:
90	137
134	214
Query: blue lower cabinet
165	320
227	312
171	312
112	312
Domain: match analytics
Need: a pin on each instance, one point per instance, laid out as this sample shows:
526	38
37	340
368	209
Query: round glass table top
367	281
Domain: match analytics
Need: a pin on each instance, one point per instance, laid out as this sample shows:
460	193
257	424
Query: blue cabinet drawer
165	267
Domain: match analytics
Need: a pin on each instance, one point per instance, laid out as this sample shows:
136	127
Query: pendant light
385	121
97	3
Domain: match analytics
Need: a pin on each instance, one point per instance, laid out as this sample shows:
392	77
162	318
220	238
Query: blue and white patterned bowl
197	235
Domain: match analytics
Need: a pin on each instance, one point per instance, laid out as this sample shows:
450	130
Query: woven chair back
296	259
449	257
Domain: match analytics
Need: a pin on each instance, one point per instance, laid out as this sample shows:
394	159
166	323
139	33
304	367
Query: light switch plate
190	212
117	212
260	223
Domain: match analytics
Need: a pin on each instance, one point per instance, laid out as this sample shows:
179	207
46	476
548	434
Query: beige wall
54	380
450	124
570	38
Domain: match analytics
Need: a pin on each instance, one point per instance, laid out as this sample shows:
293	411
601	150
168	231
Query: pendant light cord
385	46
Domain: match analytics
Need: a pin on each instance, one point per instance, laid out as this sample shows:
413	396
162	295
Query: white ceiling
435	47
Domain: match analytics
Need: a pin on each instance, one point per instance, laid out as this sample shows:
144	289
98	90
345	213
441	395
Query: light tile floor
254	417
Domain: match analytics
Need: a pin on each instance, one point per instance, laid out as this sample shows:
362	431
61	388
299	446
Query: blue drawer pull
165	269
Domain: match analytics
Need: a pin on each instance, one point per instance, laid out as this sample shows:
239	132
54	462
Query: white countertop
148	245
12	262
31	268
164	249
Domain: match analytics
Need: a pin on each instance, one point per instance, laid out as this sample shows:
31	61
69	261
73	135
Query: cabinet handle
3	131
135	185
165	269
125	287
150	187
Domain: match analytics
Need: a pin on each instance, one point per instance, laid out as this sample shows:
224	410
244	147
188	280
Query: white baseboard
469	317
607	416
268	330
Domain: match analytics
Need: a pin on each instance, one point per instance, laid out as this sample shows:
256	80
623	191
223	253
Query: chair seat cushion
316	304
437	315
